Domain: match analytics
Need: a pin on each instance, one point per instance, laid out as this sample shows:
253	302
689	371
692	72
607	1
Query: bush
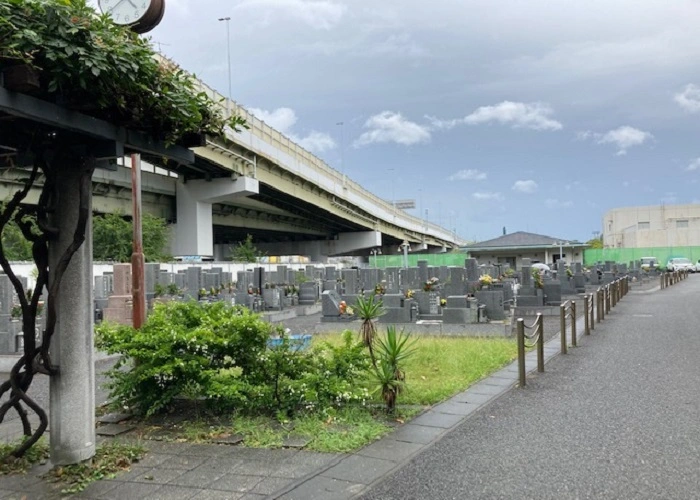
220	353
181	343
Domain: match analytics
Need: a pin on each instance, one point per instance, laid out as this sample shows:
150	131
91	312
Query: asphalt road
618	417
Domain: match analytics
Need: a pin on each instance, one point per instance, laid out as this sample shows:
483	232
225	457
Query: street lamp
228	52
374	252
405	247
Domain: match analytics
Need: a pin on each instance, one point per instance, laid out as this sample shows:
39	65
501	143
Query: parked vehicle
697	267
650	263
680	264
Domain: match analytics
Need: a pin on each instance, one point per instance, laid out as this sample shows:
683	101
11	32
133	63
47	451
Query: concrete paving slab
481	388
156	476
359	469
296	442
389	449
413	433
134	490
114	418
470	397
497	381
98	489
185	462
197	478
324	488
217	495
456	408
207	450
236	482
169	492
112	430
270	485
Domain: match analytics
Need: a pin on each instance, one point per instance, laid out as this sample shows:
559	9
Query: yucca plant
391	352
368	309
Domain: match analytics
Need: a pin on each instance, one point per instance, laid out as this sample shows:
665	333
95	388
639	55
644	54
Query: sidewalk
186	471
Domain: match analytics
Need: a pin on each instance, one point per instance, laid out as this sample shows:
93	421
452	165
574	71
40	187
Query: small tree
245	251
595	243
112	238
392	351
368	310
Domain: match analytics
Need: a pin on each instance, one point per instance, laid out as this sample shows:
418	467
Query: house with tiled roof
512	248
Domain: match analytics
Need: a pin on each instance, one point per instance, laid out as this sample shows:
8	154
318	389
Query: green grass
444	366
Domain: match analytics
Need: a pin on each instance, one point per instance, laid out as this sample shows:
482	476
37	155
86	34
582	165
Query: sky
528	115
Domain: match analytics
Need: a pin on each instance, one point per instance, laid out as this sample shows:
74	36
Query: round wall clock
140	15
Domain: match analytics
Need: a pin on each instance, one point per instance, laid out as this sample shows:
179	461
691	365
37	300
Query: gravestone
308	293
472	266
351	279
120	304
330	307
193	283
456	311
552	293
423	272
493	300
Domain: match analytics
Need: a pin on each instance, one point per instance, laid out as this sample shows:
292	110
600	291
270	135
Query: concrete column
72	390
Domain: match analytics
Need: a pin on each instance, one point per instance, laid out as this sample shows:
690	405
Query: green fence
626	255
434	259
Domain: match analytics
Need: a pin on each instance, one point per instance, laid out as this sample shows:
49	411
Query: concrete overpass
259	182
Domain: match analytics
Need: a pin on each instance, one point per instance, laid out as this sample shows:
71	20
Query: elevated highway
259	182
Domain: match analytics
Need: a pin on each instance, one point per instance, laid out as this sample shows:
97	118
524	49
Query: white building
652	226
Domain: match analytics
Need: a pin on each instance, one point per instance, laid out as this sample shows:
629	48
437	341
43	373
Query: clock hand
115	6
132	4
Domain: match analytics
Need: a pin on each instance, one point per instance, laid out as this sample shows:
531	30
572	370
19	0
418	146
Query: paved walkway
618	417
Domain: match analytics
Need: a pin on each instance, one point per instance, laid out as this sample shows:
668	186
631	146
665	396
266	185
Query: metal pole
562	326
137	259
228	52
586	321
592	304
521	350
573	323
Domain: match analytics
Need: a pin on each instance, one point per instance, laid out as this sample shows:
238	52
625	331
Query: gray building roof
522	239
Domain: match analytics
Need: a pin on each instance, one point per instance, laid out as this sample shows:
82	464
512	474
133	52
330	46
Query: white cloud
624	138
284	119
535	116
281	119
319	14
694	165
401	45
486	196
689	98
555	203
517	114
388	126
316	142
468	175
669	198
528	186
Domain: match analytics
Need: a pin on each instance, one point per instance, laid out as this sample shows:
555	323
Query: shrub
180	343
220	353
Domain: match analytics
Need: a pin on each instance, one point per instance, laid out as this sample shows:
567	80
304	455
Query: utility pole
138	285
228	52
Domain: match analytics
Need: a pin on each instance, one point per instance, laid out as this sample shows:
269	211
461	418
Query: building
657	226
513	248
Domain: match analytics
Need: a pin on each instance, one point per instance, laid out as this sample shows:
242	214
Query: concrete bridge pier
194	232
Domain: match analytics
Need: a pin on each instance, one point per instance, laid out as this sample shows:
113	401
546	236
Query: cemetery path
618	417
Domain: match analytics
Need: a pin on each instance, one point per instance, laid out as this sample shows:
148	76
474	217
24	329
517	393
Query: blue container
296	342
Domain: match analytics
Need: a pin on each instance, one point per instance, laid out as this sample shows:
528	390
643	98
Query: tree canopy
112	238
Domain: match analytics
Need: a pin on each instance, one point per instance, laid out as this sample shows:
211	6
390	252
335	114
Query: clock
140	15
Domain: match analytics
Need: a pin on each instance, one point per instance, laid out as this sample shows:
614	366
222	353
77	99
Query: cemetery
475	300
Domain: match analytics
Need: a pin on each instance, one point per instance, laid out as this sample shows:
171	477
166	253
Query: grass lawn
444	366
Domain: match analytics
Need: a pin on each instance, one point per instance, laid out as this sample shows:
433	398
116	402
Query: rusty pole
137	259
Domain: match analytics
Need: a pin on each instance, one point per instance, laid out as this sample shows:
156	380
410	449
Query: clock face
125	11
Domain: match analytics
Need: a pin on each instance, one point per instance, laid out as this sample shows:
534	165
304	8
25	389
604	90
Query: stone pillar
72	390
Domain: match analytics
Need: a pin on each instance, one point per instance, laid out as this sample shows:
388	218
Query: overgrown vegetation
112	238
109	459
20	465
87	62
15	245
392	351
220	353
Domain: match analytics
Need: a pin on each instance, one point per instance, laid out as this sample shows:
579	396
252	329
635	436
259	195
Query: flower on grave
537	277
342	307
443	302
485	280
431	284
409	294
379	289
569	272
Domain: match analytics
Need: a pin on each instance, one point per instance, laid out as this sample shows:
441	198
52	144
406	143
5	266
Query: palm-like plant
391	353
368	309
